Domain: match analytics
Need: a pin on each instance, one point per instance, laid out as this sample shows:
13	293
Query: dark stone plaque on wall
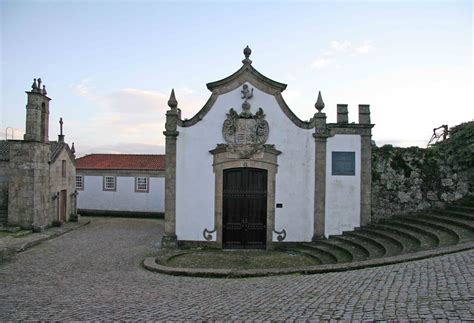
343	163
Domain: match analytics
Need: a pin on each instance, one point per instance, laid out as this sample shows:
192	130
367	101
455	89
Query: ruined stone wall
412	179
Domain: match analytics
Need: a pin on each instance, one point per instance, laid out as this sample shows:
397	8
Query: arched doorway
244	208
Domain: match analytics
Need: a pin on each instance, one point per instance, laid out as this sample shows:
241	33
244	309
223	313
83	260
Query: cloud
292	94
12	133
126	117
401	142
135	101
120	148
291	77
338	46
339	51
365	48
321	62
83	89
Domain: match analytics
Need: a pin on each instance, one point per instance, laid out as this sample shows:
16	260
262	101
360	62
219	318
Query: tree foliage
459	147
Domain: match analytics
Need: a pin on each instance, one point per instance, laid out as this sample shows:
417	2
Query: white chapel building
246	173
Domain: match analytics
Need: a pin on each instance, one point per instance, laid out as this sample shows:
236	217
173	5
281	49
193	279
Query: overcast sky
109	66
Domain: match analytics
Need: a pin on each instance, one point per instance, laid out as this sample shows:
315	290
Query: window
110	183
79	182
343	163
63	168
141	184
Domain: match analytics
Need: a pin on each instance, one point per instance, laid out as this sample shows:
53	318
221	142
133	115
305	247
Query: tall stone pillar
172	116
366	165
320	136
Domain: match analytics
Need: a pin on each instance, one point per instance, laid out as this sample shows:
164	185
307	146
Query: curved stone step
381	243
371	250
355	251
462	223
455	214
461	208
446	235
409	241
391	244
469	203
341	255
303	252
427	238
464	229
324	256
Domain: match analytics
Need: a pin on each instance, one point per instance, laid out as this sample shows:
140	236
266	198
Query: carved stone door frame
266	159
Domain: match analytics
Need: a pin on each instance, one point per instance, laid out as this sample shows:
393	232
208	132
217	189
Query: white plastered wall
93	197
342	191
195	186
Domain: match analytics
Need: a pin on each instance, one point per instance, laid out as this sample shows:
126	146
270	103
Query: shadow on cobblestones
94	273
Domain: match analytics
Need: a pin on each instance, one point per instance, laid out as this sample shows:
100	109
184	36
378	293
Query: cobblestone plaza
95	272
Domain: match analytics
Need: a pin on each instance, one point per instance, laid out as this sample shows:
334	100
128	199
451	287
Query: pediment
247	73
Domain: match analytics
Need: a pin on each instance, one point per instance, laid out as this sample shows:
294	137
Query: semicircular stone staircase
396	236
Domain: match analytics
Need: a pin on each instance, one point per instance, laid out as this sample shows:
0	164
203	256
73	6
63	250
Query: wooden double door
244	208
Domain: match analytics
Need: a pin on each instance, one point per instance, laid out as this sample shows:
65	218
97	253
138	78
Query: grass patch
248	259
17	234
5	234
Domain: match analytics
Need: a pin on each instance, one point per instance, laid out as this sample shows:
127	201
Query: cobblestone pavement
95	273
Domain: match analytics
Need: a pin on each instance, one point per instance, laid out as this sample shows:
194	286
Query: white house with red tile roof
121	184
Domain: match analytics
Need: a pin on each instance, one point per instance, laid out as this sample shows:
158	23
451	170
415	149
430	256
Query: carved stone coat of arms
245	133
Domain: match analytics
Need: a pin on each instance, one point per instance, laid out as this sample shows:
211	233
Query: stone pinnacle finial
172	103
39	84
44	90
319	103
73	149
247	53
34	86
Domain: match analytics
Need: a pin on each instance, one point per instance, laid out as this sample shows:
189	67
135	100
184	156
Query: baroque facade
37	176
246	172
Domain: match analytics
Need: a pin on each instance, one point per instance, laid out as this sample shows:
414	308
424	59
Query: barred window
110	183
141	184
79	182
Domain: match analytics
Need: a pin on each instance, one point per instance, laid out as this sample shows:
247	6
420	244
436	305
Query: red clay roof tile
121	162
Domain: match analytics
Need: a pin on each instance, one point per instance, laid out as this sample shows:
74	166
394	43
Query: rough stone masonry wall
58	182
3	188
28	194
412	179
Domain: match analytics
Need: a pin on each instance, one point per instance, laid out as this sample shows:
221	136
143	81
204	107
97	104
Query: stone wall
58	183
3	190
28	195
412	179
